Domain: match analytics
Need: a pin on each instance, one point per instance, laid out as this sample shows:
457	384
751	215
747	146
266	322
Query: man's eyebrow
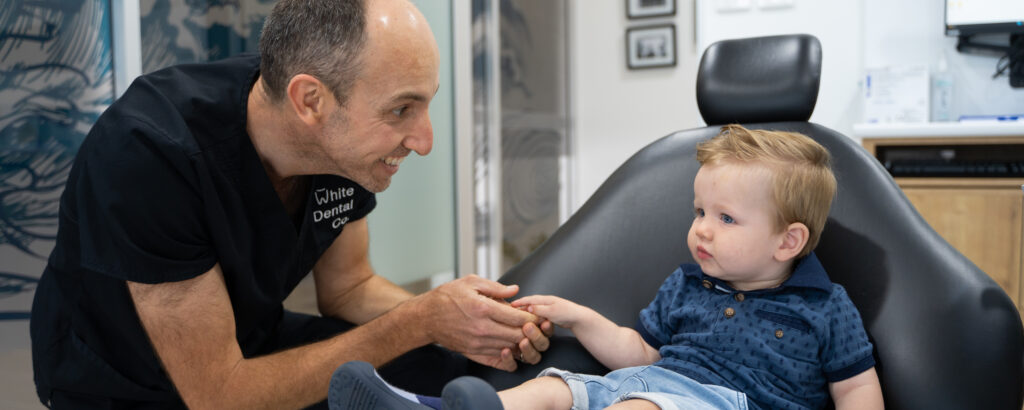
415	96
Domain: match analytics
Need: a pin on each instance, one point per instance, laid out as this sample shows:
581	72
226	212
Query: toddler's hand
559	311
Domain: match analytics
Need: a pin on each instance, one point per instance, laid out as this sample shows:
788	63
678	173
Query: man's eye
727	219
399	111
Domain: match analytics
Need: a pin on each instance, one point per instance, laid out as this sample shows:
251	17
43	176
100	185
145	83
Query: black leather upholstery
946	336
759	79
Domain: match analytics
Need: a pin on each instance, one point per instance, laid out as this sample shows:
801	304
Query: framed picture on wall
650	8
651	46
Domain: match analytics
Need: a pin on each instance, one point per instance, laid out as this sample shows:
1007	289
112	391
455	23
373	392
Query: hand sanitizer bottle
942	93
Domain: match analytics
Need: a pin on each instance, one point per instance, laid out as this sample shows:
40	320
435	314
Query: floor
16	389
17	392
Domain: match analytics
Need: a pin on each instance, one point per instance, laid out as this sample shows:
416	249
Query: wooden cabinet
980	217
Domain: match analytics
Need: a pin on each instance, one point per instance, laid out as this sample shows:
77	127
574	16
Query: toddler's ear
793	241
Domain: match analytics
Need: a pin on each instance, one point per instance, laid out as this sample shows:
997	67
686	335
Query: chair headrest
760	79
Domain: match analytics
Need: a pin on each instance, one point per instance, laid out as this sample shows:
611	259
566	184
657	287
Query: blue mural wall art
55	80
188	31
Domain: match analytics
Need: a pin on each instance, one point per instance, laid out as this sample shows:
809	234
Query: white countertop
940	129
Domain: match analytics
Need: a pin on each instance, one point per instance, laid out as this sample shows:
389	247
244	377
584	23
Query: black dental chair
946	336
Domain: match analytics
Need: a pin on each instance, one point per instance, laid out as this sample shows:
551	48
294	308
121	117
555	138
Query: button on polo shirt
780	346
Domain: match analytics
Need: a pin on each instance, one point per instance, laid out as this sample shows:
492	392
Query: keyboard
962	169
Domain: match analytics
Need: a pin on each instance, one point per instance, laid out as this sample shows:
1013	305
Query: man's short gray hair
322	38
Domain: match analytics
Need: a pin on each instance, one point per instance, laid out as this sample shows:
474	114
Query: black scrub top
167	184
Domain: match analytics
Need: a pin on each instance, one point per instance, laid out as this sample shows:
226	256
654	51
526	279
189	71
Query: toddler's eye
698	212
727	219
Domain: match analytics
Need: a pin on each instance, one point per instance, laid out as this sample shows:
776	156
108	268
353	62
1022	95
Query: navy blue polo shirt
167	184
780	346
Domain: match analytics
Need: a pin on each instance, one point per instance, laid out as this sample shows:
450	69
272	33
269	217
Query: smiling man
204	195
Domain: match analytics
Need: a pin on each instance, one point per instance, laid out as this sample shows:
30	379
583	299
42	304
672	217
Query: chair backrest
945	335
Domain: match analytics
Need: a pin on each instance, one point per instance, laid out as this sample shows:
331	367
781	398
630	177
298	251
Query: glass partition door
521	128
412	231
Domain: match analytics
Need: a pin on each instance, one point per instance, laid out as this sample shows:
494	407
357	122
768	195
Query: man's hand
536	341
470	316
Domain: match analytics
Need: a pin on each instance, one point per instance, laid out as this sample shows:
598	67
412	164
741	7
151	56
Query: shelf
940	130
961	183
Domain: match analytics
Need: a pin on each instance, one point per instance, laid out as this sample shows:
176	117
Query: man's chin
376	186
371	180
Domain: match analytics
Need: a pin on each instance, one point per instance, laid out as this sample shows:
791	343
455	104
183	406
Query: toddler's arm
613	345
858	392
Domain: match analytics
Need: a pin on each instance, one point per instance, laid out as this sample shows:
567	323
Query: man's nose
421	139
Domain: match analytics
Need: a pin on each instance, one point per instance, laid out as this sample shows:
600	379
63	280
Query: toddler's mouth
703	253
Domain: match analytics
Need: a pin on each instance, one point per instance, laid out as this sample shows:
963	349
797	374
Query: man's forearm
364	302
300	376
191	326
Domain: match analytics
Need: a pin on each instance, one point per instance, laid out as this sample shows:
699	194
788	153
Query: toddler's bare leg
634	404
548	392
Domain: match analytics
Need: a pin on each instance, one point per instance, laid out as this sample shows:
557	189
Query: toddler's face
734	235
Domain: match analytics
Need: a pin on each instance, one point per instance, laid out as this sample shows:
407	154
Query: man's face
386	116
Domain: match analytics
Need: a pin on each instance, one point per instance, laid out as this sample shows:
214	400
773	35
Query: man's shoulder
168	117
204	78
189	103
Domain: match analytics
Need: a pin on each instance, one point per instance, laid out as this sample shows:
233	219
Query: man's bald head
398	22
327	39
322	38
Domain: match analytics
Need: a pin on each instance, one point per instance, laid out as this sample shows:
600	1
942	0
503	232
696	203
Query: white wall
900	32
836	23
618	111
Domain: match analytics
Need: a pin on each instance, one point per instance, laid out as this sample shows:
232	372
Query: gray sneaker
355	386
470	393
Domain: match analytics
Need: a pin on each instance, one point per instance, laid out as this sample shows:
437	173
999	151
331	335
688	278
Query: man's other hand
469	315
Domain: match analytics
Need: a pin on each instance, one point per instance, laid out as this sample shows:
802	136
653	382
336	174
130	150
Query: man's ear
308	98
793	241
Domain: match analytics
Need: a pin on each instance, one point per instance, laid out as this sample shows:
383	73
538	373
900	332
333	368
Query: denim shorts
665	388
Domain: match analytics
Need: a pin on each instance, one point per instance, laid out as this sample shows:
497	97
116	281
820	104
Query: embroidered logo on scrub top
332	204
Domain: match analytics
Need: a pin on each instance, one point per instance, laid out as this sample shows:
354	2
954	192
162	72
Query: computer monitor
969	17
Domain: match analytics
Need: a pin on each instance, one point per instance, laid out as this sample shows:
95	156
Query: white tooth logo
321	196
